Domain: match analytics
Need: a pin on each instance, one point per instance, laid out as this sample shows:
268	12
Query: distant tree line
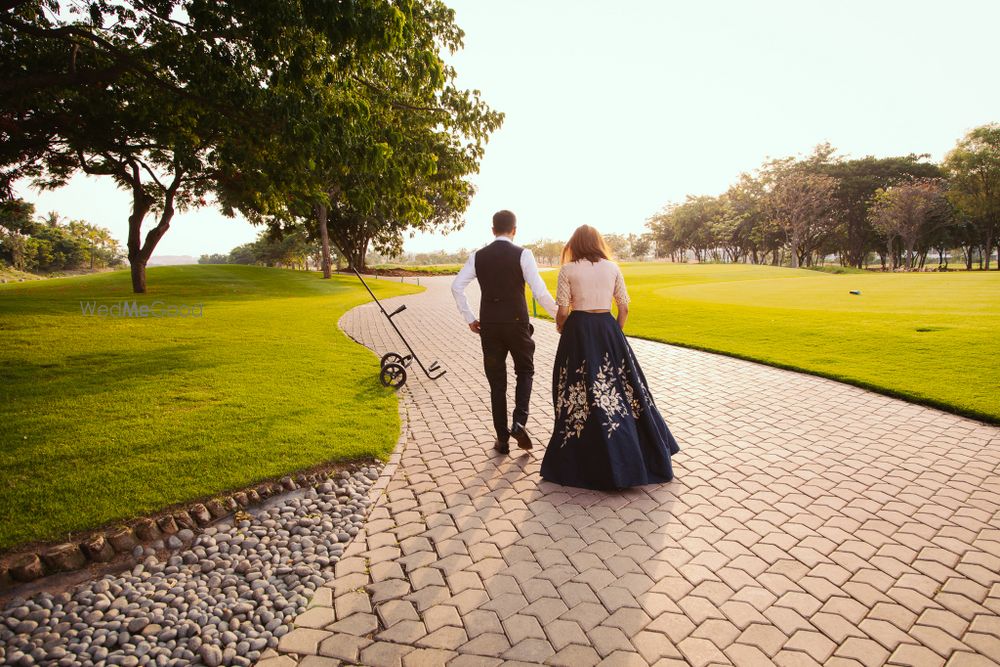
546	251
48	244
420	258
798	211
294	249
622	246
291	248
339	117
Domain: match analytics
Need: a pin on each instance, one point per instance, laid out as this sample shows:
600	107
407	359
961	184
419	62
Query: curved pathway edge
811	522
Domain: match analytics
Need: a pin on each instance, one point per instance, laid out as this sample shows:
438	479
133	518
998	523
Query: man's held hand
474	327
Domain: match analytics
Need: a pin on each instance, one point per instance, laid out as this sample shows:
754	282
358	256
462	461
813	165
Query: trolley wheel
392	358
393	375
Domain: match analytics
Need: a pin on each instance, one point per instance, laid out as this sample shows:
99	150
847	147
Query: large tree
173	99
430	136
401	163
688	225
804	206
909	211
858	179
973	168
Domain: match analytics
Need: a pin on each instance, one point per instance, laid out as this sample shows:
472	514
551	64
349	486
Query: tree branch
151	173
42	81
395	103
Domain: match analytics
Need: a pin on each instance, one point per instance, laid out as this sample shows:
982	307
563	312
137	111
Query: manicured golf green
932	338
108	418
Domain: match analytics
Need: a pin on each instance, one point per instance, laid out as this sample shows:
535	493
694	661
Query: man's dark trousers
500	339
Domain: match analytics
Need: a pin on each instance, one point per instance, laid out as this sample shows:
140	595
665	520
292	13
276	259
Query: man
502	269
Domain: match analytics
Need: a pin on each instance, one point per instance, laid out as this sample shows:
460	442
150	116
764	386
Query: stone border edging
389	469
171	530
120	541
279	657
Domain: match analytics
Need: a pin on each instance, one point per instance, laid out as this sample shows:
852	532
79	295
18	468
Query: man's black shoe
522	437
502	447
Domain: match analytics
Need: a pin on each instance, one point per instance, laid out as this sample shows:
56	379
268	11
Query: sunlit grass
104	419
927	337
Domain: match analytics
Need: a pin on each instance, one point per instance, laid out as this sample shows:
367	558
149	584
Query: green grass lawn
10	275
931	338
105	419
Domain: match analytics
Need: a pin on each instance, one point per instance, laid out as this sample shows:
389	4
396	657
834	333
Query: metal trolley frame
394	365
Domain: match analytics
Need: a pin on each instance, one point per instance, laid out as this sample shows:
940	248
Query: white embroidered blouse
585	285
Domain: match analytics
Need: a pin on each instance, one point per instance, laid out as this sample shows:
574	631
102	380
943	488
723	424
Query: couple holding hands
608	433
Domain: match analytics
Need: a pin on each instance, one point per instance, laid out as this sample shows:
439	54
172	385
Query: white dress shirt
529	269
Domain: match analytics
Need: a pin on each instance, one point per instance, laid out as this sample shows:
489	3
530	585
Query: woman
608	433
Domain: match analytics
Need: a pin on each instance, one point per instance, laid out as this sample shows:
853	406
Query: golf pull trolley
394	365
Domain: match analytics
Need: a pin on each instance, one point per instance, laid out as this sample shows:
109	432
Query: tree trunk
324	235
358	255
989	250
795	252
141	203
138	276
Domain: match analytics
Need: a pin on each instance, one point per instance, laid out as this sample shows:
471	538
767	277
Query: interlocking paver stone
745	655
623	659
488	643
575	655
700	652
865	651
358	624
440	616
653	646
303	640
384	654
911	655
343	647
448	637
319	661
816	644
531	651
608	640
404	632
810	522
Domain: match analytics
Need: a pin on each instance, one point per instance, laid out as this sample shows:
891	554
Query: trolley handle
431	371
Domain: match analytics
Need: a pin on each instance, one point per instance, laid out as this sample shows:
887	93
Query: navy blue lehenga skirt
608	433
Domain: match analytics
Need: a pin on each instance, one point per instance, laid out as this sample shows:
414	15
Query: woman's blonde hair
585	243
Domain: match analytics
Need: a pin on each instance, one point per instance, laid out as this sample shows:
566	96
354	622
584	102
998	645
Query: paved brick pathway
811	522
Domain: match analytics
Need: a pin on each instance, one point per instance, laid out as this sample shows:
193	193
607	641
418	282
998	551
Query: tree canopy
47	244
274	109
797	210
973	169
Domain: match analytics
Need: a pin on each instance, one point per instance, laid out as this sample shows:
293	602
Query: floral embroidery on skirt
608	432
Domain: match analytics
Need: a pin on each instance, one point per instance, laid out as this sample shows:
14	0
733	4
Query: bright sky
614	109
